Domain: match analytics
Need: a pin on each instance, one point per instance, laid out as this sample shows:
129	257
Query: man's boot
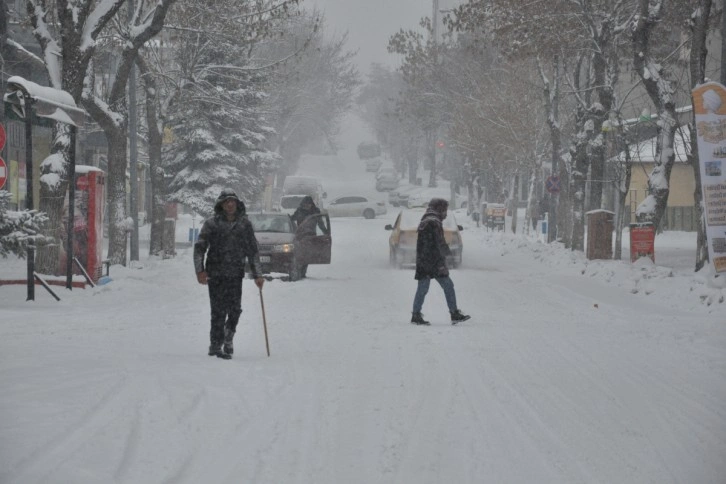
417	318
228	346
457	317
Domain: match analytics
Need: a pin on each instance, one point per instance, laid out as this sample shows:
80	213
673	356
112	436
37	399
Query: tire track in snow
48	457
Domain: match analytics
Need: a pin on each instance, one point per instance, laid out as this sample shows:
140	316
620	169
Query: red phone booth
88	222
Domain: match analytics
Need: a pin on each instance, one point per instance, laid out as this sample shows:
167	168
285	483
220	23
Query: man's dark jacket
226	244
431	246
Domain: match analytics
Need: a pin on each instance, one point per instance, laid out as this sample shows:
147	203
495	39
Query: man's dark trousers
225	297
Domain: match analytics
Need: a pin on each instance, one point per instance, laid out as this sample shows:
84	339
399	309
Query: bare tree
68	40
111	114
311	88
423	74
661	92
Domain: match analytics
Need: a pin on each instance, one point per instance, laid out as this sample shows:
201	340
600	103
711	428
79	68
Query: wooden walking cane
264	322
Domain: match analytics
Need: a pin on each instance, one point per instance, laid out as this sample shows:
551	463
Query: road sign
3	136
3	172
552	184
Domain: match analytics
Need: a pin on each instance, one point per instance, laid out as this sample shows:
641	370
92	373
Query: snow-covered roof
47	102
644	152
83	169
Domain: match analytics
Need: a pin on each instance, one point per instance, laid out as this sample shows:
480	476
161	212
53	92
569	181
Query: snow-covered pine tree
219	131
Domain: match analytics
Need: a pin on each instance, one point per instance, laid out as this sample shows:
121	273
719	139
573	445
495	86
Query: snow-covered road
565	374
569	371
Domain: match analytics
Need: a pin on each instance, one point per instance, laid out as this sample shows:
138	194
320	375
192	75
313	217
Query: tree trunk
532	203
52	201
412	162
118	227
577	191
565	213
513	201
156	170
431	152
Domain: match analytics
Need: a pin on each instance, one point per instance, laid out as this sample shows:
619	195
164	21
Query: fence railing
675	218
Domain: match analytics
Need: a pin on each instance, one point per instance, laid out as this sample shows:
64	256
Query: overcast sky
370	23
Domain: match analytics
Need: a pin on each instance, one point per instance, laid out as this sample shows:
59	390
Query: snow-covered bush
17	228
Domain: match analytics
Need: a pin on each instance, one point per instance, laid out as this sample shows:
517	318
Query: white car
386	179
355	206
387	172
421	197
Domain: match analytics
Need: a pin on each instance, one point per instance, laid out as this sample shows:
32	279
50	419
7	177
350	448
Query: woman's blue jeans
423	288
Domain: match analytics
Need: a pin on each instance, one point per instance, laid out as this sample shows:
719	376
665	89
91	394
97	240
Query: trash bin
599	234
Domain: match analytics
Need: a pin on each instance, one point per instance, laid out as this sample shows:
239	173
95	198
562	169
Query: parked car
355	206
404	233
423	195
386	171
290	203
373	164
285	248
296	187
386	179
368	149
398	198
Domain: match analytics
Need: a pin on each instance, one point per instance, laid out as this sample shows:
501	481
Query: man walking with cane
227	239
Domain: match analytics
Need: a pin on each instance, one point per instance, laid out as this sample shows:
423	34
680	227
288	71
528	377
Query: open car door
313	242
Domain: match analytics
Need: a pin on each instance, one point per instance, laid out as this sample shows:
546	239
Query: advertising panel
709	103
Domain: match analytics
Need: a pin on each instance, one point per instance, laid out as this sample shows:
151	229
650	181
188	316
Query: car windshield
411	218
291	202
263	222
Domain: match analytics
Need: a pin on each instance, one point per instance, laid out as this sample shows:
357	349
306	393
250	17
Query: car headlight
283	248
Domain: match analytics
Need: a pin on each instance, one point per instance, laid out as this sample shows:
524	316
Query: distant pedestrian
227	239
431	252
306	208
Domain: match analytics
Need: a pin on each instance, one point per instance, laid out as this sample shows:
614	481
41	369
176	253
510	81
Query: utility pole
133	165
723	42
